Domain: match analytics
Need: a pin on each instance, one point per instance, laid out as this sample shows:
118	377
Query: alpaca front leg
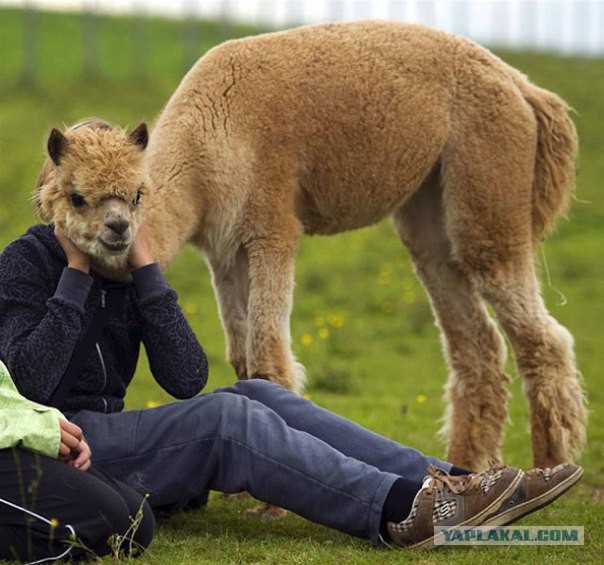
268	348
231	286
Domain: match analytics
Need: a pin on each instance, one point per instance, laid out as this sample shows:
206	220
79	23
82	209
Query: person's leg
141	517
342	434
229	443
49	510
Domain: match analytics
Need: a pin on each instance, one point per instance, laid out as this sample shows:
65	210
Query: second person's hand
73	449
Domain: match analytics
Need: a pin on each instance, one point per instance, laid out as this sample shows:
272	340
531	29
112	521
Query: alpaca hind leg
487	176
474	348
546	361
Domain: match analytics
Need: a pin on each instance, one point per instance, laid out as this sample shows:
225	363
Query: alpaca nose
118	225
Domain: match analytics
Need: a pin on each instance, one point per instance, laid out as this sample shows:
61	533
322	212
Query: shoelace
546	472
495	466
456	484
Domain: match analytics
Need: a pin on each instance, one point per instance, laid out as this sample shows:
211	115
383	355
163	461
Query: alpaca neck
171	218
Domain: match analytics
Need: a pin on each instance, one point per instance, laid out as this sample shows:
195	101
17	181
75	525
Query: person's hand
140	254
81	457
76	258
73	450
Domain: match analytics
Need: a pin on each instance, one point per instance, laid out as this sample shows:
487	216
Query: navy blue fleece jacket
46	307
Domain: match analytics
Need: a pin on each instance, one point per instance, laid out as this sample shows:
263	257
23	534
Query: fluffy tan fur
329	128
91	186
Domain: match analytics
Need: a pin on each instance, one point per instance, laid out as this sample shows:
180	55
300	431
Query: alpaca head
92	185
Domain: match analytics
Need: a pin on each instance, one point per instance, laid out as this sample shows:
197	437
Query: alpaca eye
137	198
77	200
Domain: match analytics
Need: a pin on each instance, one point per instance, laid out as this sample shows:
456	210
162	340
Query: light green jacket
24	423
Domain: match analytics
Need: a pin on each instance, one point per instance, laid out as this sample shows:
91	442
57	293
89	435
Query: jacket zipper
100	354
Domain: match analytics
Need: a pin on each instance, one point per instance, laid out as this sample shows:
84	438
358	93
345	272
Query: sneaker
446	500
537	488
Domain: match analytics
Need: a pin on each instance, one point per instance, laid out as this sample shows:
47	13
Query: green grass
361	324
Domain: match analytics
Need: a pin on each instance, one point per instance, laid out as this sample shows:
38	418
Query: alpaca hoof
267	511
237	495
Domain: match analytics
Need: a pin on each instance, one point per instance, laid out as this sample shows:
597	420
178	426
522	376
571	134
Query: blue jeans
258	437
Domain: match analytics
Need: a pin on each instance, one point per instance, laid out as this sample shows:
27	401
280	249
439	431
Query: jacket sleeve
41	319
24	423
176	359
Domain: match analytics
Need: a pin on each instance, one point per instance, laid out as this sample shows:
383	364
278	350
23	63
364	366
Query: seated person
53	502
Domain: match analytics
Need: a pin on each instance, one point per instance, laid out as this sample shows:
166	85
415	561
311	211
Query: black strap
82	350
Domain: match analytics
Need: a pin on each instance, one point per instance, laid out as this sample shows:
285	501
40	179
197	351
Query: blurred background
563	26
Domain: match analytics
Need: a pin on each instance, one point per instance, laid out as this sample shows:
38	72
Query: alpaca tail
557	148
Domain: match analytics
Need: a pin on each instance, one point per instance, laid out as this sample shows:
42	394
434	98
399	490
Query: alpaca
329	128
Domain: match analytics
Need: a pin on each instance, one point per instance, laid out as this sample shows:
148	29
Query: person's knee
257	389
232	415
116	529
223	405
143	528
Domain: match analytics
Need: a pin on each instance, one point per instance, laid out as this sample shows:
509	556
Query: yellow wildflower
307	339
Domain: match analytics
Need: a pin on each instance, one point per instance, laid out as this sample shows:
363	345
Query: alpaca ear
57	145
140	135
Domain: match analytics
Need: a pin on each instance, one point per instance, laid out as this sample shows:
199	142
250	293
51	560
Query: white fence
566	26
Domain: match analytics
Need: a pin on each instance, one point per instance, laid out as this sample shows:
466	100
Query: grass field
361	324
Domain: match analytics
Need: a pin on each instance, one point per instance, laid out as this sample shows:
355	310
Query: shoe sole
529	506
476	519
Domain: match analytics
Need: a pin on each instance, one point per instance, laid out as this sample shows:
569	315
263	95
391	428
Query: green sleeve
24	423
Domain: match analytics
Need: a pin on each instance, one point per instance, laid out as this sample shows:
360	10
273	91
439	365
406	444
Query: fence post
30	44
226	20
190	27
90	42
140	39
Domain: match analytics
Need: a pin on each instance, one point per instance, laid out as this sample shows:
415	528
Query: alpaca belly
331	213
348	185
358	193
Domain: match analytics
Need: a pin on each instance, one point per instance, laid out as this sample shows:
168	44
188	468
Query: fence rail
566	26
571	27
